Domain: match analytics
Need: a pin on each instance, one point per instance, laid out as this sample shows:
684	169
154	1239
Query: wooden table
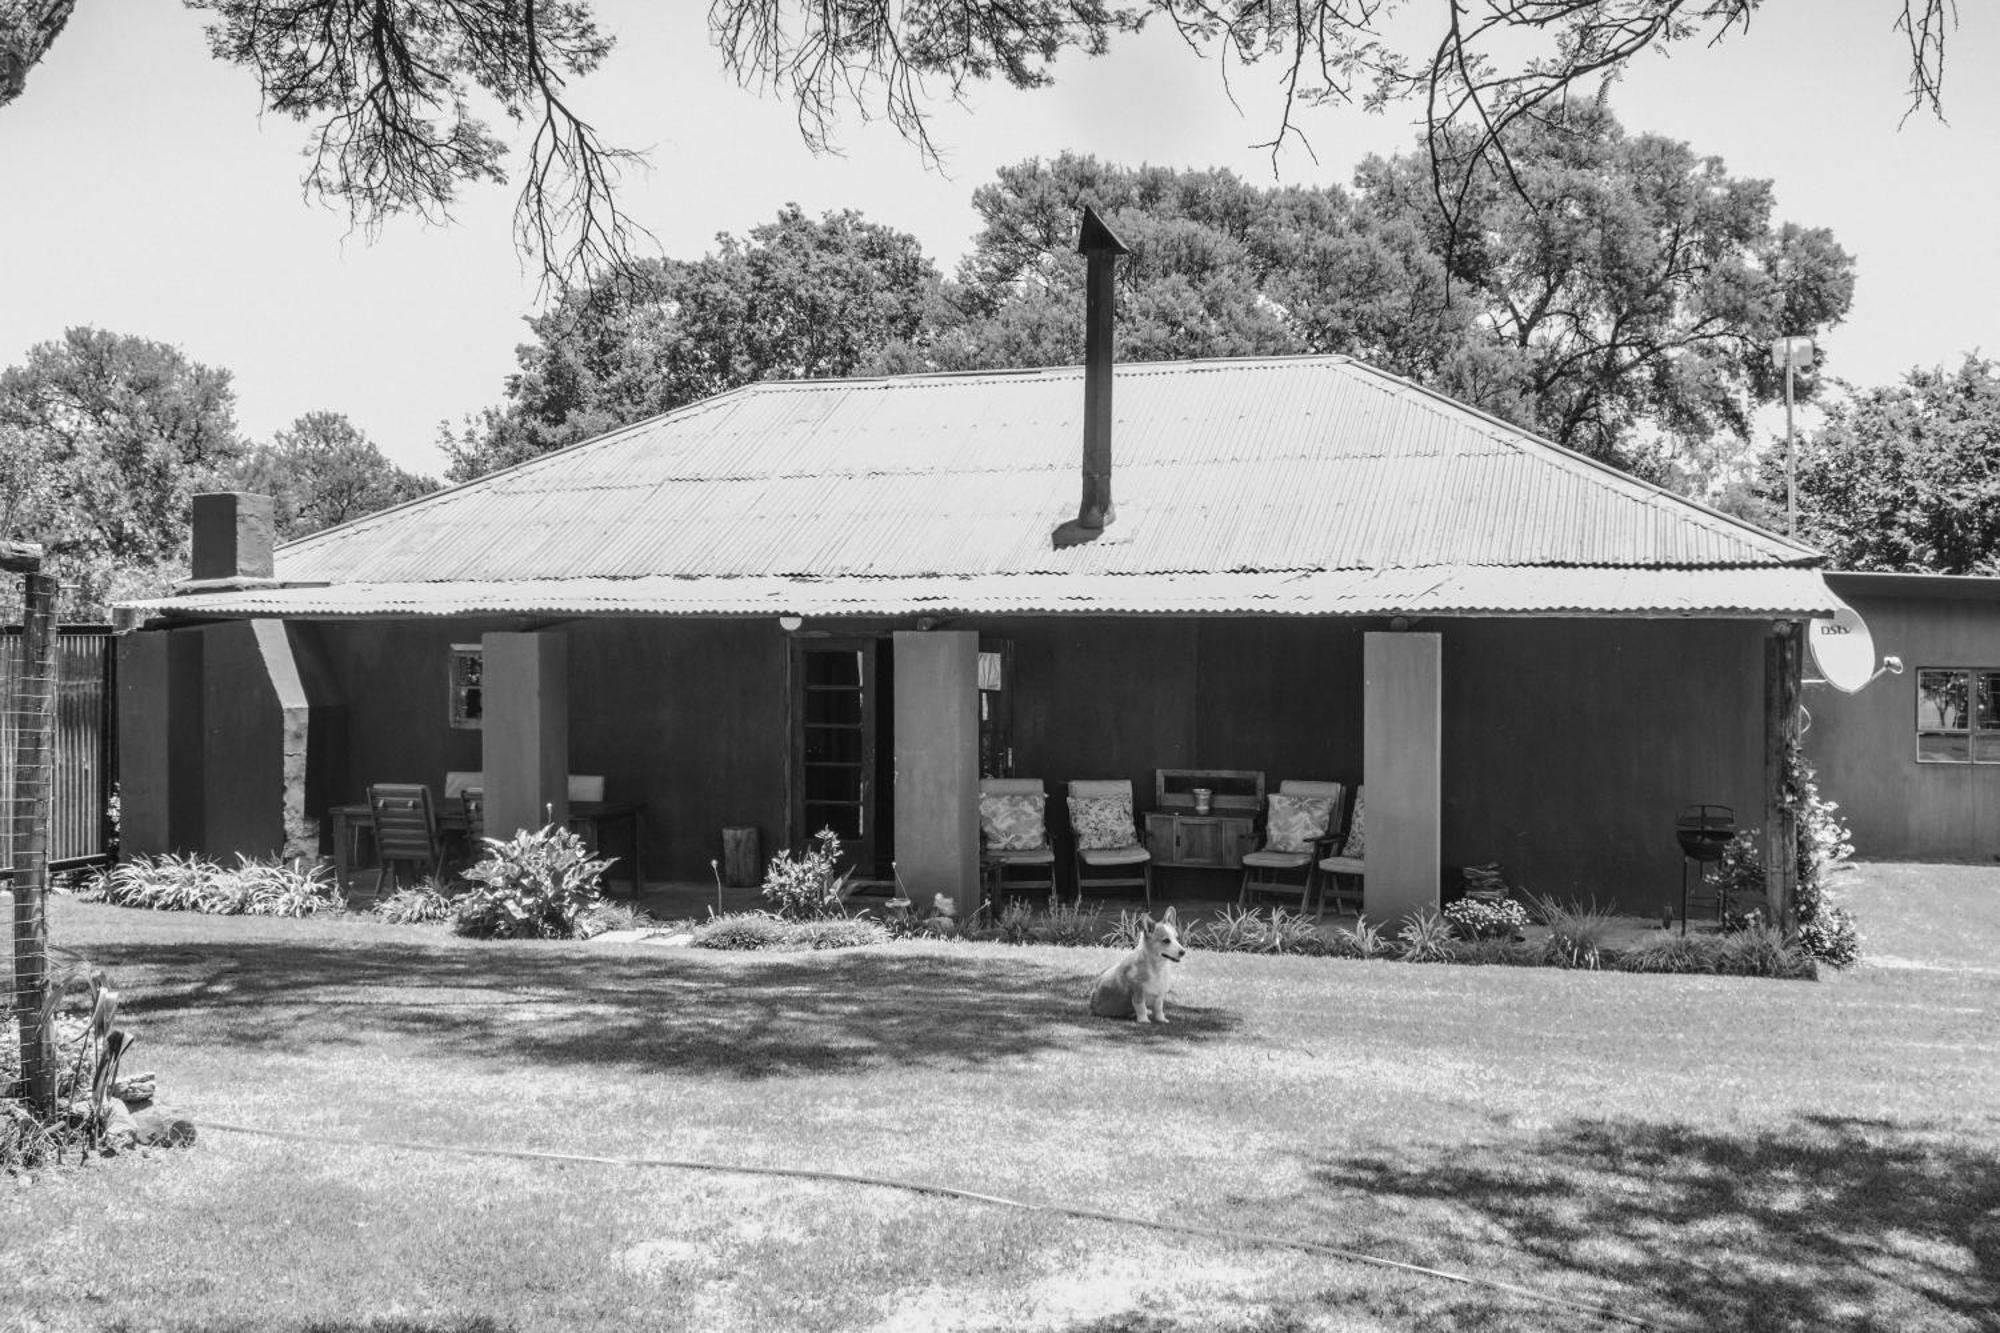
586	820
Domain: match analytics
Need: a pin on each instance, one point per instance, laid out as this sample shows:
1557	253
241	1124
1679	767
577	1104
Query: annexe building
803	604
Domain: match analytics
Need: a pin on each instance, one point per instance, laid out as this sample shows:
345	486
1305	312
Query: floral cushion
1013	822
1102	822
1356	845
1296	822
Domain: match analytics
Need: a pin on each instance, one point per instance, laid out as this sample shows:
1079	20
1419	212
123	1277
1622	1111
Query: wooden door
837	747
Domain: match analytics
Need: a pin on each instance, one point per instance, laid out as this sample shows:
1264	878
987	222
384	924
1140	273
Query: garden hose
1226	1234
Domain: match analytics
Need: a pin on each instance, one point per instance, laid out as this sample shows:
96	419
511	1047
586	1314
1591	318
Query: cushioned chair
1341	875
1014	850
406	830
1299	824
1109	852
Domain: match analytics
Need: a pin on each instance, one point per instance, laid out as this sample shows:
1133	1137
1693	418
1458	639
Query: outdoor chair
1109	853
1341	875
1299	829
1014	850
406	830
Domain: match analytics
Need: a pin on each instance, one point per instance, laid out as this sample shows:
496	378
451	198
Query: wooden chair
406	829
1113	866
1342	874
1291	871
1035	866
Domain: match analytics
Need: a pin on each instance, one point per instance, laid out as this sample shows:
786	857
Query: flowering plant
1486	918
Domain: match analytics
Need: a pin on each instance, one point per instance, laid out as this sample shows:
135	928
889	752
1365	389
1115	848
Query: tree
387	89
1633	289
105	438
324	471
1621	279
799	297
1905	477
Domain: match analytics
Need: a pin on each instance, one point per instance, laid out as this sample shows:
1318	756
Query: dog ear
1172	919
1146	923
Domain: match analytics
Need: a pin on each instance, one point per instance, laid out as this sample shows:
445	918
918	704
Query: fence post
34	715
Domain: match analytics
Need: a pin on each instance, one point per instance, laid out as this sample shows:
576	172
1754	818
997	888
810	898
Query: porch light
790	624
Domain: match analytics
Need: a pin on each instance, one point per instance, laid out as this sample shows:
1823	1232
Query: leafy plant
1425	938
811	884
1017	921
1233	930
188	883
1826	931
1486	918
1763	951
275	888
767	931
1673	953
1496	953
1067	924
602	917
1576	932
425	903
537	884
1363	941
163	883
1125	932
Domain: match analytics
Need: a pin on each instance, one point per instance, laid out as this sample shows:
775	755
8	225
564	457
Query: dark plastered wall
1864	745
1568	746
242	776
685	718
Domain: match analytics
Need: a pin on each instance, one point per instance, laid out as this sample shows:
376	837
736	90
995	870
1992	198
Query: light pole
1793	353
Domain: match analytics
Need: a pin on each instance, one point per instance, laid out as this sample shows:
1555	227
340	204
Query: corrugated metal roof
1410	591
1269	466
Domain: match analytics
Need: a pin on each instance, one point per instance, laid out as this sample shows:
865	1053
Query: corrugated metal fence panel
86	754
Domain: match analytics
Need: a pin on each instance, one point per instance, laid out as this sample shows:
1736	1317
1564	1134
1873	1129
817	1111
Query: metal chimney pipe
1100	249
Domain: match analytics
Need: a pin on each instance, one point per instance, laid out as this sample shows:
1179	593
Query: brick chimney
233	536
1100	249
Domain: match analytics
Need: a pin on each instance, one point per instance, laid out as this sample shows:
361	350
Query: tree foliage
1630	296
324	471
799	297
104	439
388	89
1905	477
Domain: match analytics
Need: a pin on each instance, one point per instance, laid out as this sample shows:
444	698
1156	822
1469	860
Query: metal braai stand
1703	830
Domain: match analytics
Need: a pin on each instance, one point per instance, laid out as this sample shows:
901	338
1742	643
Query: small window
467	699
1958	715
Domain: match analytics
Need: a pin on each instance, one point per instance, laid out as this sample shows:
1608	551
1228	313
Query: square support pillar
1402	723
160	728
524	732
937	765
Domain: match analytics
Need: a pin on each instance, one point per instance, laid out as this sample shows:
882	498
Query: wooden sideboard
1214	841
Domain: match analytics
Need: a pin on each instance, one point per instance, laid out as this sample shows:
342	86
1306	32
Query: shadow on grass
1824	1223
691	1011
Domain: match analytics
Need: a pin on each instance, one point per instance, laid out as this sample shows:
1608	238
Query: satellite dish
1842	649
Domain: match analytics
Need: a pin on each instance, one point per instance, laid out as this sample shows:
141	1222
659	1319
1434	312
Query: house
1913	760
802	604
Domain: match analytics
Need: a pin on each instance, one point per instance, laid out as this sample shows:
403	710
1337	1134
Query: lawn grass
1702	1152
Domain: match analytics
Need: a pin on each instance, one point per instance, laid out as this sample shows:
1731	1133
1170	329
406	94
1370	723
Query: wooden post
1783	683
34	754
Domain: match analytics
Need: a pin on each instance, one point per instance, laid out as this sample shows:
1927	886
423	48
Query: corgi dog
1137	984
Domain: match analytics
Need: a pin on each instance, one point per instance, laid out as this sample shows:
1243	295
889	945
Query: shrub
1486	918
766	931
1067	924
535	885
1576	932
163	883
744	931
1234	930
808	885
266	888
1426	938
1826	932
425	903
1831	936
1673	953
1293	932
1125	932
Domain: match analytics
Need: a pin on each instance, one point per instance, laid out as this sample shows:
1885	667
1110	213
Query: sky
142	192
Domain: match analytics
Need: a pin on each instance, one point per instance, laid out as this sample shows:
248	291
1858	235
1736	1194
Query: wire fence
27	722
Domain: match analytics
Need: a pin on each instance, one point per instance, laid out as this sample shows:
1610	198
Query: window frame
1981	730
465	681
